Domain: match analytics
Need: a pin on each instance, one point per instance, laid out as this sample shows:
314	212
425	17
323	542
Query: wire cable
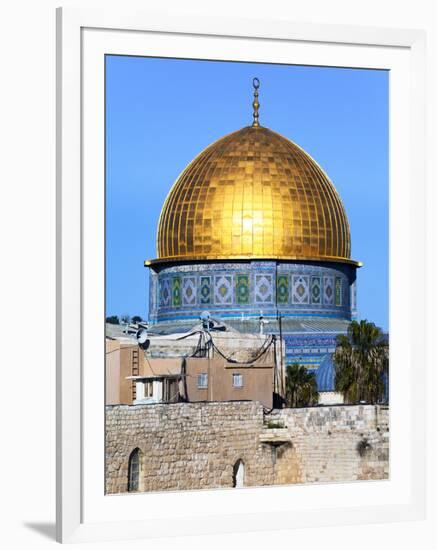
261	352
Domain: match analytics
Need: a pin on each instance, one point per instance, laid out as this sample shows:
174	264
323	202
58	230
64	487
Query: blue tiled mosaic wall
309	349
236	290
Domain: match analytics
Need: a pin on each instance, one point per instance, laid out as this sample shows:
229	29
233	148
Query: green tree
113	320
300	387
361	363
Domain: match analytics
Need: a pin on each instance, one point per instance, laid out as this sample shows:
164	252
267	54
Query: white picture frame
83	512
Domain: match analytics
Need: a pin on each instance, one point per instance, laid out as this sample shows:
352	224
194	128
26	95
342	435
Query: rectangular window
202	380
148	389
167	390
237	380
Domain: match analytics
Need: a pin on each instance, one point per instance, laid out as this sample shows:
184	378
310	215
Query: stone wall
195	445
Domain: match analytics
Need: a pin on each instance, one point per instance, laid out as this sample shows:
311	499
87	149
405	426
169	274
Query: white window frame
202	376
234	375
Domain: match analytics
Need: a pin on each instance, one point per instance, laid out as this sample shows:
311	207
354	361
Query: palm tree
361	363
300	387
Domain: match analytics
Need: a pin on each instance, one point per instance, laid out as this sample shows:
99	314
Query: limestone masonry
198	445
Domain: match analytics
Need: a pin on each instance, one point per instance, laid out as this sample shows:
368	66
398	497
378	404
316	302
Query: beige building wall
112	368
123	358
257	380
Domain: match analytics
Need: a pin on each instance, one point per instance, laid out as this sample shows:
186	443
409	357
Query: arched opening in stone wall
133	482
238	474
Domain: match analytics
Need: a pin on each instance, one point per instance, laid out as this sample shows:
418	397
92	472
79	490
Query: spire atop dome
255	104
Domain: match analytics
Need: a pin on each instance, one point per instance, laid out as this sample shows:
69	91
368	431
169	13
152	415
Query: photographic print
246	288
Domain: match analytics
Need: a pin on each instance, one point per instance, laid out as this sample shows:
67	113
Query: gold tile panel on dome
253	194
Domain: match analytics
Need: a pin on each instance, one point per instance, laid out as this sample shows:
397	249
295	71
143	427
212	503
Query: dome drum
180	292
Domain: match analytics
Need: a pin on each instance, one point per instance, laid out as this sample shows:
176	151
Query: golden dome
253	194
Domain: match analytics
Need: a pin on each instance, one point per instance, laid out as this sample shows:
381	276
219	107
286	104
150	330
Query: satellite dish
205	315
142	339
142	336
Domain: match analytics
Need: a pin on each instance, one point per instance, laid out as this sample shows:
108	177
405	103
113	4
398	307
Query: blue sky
160	113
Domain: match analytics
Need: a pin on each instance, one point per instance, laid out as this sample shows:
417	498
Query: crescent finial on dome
255	104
